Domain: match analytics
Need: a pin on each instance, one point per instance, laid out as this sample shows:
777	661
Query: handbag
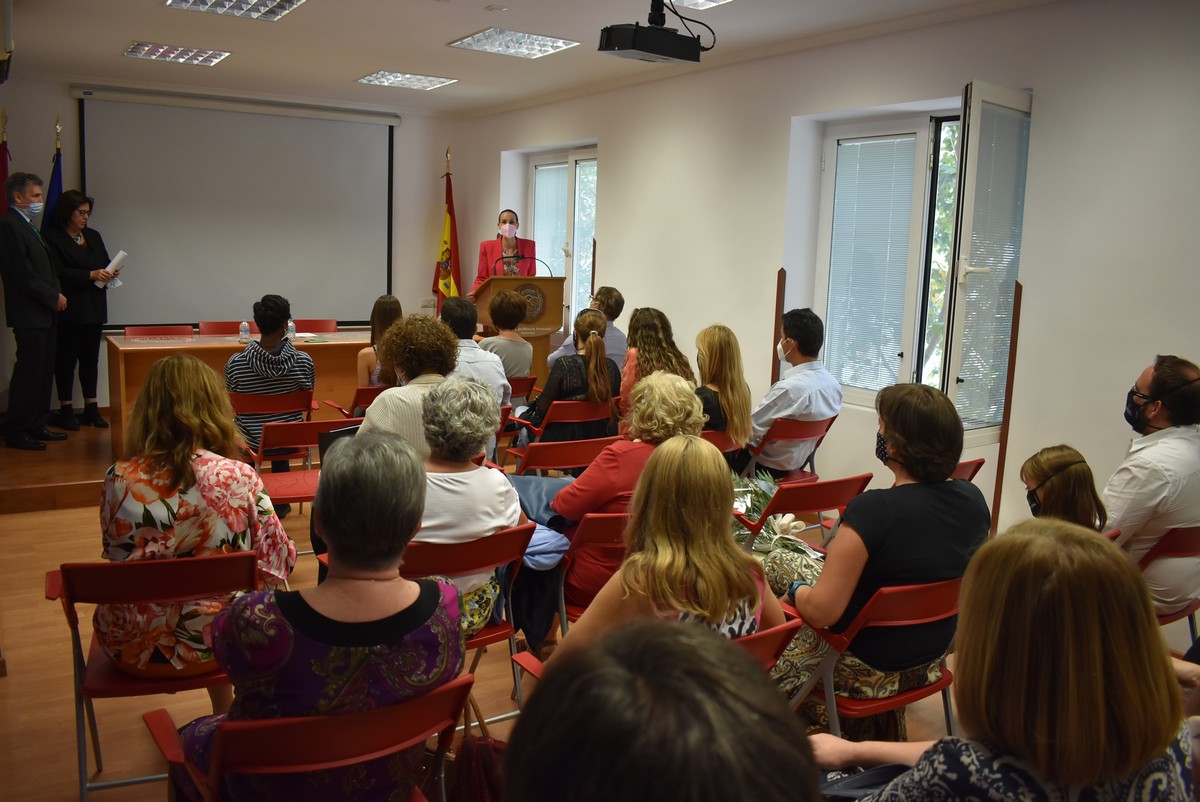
842	787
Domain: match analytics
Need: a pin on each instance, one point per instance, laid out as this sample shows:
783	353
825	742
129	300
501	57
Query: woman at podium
507	254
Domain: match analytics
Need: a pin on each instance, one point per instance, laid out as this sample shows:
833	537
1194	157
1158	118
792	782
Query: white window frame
570	158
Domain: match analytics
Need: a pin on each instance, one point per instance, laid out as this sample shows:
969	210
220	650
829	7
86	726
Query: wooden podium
545	297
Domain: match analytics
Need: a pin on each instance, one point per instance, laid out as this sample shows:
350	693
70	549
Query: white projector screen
218	208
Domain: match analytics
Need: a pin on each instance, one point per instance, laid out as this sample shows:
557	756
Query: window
902	198
564	219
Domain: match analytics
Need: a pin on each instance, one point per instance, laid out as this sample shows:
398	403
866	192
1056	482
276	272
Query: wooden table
129	359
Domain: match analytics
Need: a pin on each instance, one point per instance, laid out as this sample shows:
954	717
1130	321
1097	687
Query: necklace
79	238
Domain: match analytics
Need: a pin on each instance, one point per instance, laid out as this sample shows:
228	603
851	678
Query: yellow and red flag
447	281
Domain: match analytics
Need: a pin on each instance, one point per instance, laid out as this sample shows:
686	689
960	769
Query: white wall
694	170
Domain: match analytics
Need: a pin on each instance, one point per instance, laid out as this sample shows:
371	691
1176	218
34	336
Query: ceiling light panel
700	5
269	10
179	55
513	43
406	80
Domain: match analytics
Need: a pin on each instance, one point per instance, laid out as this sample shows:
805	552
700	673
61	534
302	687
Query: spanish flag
447	281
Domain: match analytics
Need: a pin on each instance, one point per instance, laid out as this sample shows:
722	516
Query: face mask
779	352
881	448
508	230
34	209
1133	411
1031	496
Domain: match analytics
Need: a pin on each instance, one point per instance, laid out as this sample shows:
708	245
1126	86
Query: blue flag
54	187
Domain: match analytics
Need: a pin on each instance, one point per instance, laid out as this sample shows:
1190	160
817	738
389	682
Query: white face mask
508	230
34	209
779	352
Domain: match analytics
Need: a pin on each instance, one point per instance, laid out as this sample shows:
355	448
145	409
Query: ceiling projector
649	43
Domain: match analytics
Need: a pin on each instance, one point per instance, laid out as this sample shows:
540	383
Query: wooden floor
67	474
37	741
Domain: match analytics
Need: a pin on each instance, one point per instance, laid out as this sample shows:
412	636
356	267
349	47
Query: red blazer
489	252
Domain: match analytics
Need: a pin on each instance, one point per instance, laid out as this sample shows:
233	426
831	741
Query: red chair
967	470
316	325
563	412
298	402
159	331
158	581
602	535
564	456
363	396
900	606
225	327
805	499
1180	542
294	486
319	743
721	440
790	429
522	385
504	548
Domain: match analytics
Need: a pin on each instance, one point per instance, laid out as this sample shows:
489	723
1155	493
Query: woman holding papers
81	261
507	254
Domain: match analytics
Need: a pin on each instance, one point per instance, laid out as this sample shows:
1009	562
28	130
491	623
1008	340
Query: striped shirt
256	370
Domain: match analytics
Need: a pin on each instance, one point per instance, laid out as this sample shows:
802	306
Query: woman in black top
81	260
587	375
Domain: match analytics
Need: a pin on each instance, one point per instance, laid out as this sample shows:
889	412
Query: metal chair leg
91	719
1192	626
948	709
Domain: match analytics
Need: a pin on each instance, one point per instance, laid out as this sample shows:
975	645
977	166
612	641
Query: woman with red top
507	254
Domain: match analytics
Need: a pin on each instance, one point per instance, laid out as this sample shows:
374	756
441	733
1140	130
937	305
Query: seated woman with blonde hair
1059	484
723	390
181	492
1062	682
682	562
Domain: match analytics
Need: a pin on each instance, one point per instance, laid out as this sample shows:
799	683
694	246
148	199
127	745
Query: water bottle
244	332
291	329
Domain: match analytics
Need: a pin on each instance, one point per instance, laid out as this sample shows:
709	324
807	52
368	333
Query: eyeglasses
1133	391
84	212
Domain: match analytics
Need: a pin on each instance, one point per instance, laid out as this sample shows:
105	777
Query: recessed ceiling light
406	80
270	10
700	5
179	55
513	43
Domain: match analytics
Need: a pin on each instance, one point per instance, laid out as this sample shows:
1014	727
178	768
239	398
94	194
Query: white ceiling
319	51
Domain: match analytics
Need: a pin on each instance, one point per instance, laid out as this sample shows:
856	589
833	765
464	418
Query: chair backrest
159	331
906	605
604	531
968	469
721	440
792	429
163	581
562	456
254	403
522	385
316	325
505	547
225	326
576	412
766	645
301	434
319	743
813	497
505	414
1181	542
363	396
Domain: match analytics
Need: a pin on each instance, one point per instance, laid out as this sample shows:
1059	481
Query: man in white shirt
1157	487
473	361
806	391
609	301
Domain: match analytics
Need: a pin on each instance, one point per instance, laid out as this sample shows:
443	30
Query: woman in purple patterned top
363	639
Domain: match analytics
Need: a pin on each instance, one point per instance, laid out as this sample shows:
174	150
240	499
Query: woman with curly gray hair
465	501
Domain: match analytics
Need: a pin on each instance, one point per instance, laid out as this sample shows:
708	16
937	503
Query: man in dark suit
32	299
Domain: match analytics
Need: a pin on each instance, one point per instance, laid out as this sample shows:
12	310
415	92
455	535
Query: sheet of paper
114	267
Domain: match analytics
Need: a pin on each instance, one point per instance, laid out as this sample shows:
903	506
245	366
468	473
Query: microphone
519	257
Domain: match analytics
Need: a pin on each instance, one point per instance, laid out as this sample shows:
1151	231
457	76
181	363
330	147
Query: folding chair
968	469
158	581
316	325
159	331
298	402
363	396
561	456
791	429
900	606
226	327
600	535
504	548
721	440
294	486
1179	542
563	412
522	386
805	499
318	743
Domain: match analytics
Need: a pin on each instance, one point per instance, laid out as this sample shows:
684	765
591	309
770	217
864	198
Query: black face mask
881	448
1133	411
1035	503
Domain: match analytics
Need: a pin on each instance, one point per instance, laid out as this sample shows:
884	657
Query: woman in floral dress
177	494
